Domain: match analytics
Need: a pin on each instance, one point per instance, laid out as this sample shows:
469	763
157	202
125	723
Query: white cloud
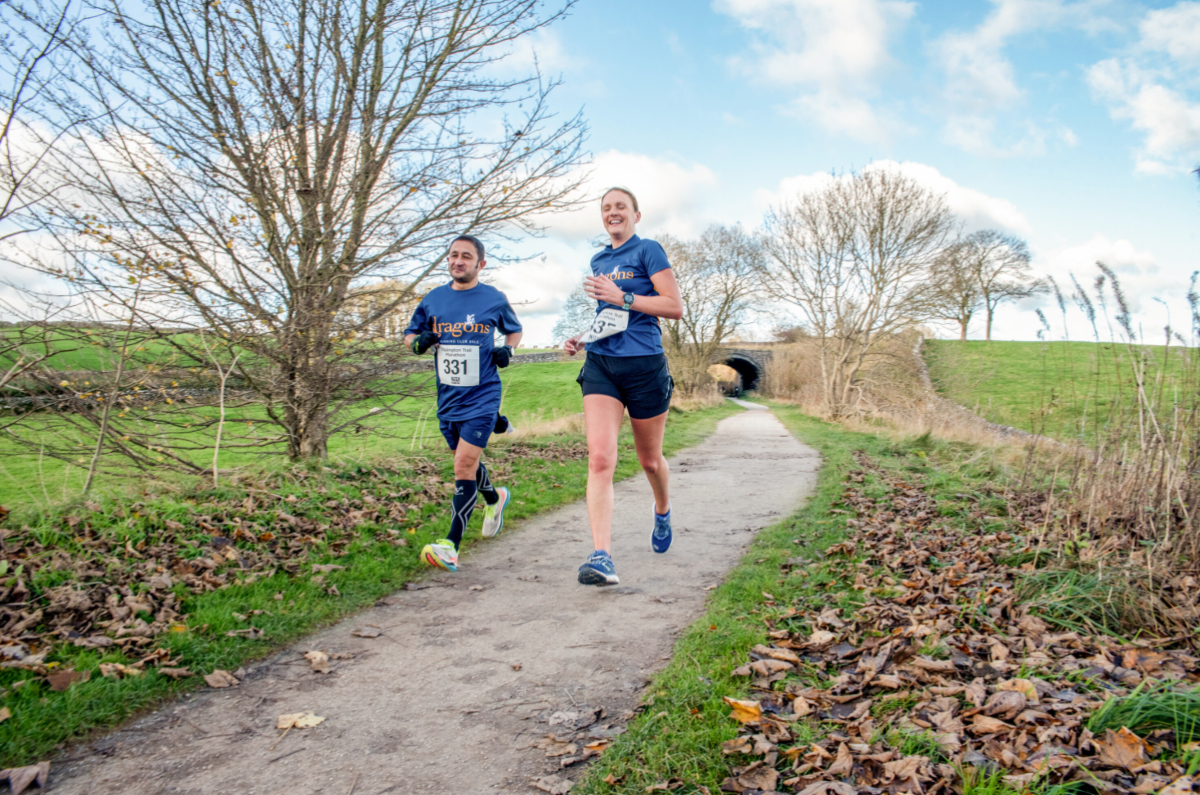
542	49
980	78
671	194
541	284
977	210
1174	31
832	51
1141	277
1168	119
1156	88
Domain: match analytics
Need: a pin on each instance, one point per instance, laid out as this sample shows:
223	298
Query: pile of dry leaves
942	650
121	593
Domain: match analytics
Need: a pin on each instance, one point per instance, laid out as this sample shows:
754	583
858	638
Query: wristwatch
628	301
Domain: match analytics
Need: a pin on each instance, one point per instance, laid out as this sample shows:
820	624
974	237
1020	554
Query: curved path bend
472	670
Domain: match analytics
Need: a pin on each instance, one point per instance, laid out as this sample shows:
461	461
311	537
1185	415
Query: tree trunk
989	325
962	334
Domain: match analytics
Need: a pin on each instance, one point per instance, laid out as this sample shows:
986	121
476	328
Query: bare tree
30	50
717	276
250	165
955	292
854	258
577	314
999	264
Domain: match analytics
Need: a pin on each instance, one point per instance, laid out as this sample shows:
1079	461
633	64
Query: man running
459	320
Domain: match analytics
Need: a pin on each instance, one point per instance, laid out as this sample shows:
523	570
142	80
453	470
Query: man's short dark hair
474	241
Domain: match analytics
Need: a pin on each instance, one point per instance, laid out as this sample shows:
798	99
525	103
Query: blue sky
1072	124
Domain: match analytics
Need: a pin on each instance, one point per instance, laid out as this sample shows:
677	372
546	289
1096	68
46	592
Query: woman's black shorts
642	383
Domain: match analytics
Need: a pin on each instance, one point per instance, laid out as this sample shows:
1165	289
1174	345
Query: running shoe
493	515
441	555
598	569
660	537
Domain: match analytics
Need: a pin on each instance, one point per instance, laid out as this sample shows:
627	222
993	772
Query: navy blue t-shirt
631	267
465	322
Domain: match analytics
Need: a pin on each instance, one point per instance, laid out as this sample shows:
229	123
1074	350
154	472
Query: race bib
607	323
458	365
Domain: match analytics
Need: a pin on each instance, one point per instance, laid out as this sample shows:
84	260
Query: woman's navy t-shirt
465	322
631	267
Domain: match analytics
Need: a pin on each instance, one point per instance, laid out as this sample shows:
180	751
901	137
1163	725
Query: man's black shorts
642	383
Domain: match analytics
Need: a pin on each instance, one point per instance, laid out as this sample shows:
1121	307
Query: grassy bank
1069	390
240	560
534	393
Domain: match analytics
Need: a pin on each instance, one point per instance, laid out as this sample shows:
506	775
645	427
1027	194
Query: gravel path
473	670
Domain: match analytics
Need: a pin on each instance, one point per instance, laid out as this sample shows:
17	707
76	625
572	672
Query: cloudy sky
1072	124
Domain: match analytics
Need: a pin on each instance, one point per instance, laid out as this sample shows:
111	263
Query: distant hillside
1062	389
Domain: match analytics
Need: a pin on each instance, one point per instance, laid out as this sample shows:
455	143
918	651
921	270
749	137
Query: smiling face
464	263
619	216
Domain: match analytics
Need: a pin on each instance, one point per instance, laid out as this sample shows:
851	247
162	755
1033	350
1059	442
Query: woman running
625	369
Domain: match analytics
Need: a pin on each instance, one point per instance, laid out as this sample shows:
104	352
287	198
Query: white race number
607	323
458	365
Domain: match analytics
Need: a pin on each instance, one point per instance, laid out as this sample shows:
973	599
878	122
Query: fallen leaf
1183	785
828	787
118	671
555	785
1005	704
325	568
1122	749
318	661
175	673
298	720
369	631
982	724
62	680
4	714
19	778
842	764
1023	686
759	776
744	711
219	678
665	786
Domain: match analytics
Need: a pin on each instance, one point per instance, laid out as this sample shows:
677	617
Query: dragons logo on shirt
470	321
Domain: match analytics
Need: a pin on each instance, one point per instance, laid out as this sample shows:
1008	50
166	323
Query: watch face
629	298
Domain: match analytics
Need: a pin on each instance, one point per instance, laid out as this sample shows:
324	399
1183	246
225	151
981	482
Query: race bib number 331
458	365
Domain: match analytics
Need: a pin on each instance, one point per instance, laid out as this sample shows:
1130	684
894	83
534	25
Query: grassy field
1069	390
533	393
378	556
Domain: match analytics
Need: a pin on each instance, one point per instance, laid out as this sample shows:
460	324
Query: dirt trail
479	666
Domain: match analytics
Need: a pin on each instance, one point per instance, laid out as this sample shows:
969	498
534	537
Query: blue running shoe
598	569
660	538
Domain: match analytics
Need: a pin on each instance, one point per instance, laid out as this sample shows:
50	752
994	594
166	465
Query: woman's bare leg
602	417
648	440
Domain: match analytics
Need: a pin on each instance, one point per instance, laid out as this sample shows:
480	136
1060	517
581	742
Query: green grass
1063	389
374	567
1146	710
533	393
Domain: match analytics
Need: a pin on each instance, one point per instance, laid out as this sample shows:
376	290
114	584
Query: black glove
424	341
501	355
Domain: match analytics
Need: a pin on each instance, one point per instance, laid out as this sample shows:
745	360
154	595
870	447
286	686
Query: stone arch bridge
750	364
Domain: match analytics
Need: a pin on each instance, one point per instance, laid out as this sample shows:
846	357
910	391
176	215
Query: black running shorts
643	384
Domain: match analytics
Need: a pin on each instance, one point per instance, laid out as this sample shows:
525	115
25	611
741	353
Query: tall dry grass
1134	485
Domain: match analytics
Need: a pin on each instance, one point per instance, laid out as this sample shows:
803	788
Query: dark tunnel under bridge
749	363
